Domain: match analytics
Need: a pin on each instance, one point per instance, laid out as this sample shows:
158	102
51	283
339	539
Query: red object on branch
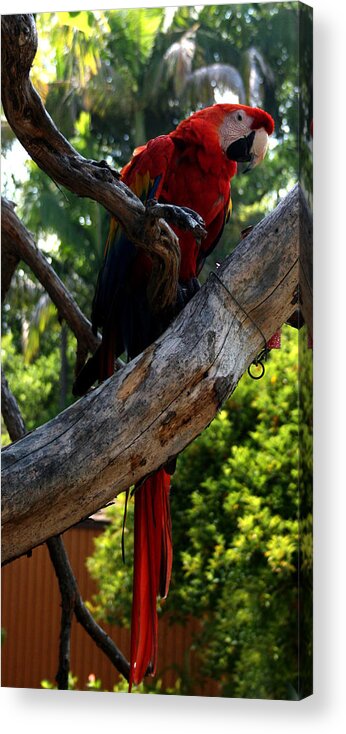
275	341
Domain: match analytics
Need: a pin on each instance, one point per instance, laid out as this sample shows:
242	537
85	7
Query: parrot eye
239	116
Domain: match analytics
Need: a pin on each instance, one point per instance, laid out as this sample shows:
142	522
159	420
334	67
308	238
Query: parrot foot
180	216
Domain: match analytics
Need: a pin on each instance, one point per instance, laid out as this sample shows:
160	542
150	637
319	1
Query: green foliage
43	316
121	686
113	602
72	683
236	536
35	384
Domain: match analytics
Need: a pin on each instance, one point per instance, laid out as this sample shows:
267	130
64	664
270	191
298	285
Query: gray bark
9	409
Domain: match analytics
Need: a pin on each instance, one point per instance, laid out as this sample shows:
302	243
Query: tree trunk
156	405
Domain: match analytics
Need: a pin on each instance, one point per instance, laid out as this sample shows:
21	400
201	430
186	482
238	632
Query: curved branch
152	408
72	603
9	408
9	257
55	156
19	242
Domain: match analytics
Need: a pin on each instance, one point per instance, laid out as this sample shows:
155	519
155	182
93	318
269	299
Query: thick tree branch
19	243
53	154
152	408
71	599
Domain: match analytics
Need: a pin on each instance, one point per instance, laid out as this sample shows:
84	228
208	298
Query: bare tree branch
71	599
53	154
10	411
72	602
56	552
9	261
19	242
152	408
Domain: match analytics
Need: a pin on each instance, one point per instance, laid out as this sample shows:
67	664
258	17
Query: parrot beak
241	150
250	149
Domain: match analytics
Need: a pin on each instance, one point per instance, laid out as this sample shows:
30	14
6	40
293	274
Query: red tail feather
152	571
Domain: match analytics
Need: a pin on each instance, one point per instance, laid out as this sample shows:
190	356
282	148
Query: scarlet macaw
190	167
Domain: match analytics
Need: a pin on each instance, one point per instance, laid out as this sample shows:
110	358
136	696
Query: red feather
152	571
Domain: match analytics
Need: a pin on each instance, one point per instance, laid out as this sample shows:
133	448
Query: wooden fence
31	624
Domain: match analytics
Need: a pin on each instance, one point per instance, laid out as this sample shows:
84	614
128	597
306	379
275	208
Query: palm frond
208	82
258	76
178	60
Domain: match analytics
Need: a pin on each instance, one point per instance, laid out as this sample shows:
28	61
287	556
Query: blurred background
112	80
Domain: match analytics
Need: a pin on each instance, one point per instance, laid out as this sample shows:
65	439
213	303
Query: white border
50	711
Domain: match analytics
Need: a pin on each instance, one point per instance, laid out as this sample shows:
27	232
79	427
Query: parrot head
242	131
244	134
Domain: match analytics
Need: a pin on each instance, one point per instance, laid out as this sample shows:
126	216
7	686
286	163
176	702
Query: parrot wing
144	175
120	302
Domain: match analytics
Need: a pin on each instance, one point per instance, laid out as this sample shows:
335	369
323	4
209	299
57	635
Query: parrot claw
194	222
180	216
